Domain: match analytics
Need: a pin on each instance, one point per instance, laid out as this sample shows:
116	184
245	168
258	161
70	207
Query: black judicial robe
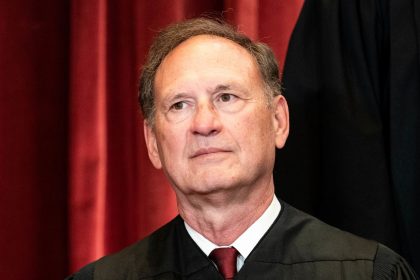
297	246
352	82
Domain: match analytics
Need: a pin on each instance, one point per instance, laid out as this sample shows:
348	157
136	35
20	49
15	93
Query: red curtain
75	179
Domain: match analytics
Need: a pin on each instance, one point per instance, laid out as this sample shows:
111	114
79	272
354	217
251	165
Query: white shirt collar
246	242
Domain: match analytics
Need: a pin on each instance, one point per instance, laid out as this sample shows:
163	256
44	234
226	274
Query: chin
212	185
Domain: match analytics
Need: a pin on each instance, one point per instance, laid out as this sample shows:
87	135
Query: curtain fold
88	129
33	139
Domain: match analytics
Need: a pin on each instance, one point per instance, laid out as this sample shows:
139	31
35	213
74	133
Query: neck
222	217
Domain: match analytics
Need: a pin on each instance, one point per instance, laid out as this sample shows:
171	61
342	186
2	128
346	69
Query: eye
229	102
178	106
226	97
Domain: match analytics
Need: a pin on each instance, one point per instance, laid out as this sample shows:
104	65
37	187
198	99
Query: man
214	115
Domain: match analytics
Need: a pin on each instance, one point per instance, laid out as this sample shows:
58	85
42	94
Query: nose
206	120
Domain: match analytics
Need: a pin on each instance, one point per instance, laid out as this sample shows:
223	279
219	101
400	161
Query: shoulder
390	265
313	239
142	255
306	240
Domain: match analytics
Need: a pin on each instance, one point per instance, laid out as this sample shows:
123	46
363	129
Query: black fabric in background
352	78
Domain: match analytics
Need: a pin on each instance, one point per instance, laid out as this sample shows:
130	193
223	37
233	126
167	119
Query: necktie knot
225	259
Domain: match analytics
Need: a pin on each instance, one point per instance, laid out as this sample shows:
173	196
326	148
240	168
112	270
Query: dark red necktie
225	259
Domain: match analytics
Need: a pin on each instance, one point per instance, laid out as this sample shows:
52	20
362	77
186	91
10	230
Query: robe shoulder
301	238
389	265
303	246
141	260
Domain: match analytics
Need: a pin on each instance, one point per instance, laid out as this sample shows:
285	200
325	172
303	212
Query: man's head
216	120
171	37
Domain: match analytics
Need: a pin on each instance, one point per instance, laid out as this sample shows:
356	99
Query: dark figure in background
214	116
352	81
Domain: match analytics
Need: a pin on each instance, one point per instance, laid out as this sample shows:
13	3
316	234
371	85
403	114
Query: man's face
214	130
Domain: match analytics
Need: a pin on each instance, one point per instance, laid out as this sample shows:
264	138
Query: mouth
208	151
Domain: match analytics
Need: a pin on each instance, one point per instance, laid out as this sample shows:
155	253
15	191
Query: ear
152	148
280	120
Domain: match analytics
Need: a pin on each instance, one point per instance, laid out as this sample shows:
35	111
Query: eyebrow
222	88
230	86
167	101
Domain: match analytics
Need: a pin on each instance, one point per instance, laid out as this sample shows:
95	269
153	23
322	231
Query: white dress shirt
246	242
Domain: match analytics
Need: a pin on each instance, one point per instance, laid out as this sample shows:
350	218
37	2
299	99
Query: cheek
252	130
260	131
171	145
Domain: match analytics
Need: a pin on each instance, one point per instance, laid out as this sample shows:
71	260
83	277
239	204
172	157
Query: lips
207	151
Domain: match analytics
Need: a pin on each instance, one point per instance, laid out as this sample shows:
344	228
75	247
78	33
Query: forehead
208	45
205	55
